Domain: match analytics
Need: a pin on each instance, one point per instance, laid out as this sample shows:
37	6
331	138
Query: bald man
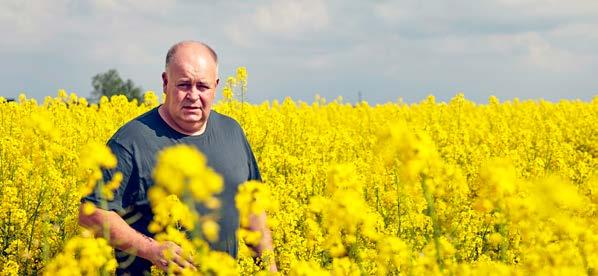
189	82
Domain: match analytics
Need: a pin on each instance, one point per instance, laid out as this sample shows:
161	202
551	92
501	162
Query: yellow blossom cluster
455	187
182	181
47	162
83	255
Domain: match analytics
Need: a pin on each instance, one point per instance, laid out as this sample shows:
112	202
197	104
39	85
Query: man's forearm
266	241
267	246
258	223
125	238
120	234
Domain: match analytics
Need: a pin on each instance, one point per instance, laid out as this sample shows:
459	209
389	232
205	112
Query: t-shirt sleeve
254	172
126	166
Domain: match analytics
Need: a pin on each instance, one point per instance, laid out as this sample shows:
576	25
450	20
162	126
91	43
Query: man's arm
125	238
258	223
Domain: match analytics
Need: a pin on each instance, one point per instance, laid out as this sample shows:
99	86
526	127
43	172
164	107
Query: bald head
200	46
190	81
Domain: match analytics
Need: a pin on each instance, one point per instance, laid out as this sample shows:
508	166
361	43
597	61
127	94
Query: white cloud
577	37
288	16
551	7
549	36
409	44
541	54
286	19
394	12
134	6
497	16
239	35
37	25
29	24
577	30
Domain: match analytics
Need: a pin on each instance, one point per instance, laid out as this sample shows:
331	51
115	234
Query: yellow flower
303	268
242	74
88	208
231	82
253	198
344	266
227	93
495	239
83	255
457	187
108	189
249	237
218	263
210	230
10	268
183	168
150	98
170	211
94	157
336	247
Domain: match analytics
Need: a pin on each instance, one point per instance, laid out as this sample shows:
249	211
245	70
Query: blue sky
299	48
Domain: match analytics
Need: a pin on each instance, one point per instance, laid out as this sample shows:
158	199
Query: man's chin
192	119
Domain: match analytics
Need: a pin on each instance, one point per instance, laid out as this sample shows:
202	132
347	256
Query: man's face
190	83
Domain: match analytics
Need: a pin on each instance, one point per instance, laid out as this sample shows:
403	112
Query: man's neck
177	127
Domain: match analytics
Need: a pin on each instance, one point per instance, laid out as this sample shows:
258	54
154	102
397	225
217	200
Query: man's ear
164	81
217	82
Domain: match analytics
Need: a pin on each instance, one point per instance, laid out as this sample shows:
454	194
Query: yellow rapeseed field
453	188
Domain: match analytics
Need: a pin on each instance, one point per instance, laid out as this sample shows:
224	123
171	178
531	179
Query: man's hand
164	254
120	235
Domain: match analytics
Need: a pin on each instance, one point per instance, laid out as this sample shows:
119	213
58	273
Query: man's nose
193	94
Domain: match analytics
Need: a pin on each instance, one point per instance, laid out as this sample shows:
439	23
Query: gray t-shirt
136	145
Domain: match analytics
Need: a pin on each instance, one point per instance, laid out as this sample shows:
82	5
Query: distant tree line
110	83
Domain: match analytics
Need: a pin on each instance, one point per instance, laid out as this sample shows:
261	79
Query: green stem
103	206
504	246
34	219
398	203
584	258
190	202
435	225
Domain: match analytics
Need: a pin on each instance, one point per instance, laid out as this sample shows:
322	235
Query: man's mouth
191	107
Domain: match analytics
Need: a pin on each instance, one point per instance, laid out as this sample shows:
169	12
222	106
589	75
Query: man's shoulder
138	128
224	122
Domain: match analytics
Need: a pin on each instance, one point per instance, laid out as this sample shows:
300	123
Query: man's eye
183	85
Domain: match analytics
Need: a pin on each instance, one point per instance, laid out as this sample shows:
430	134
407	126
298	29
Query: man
189	82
